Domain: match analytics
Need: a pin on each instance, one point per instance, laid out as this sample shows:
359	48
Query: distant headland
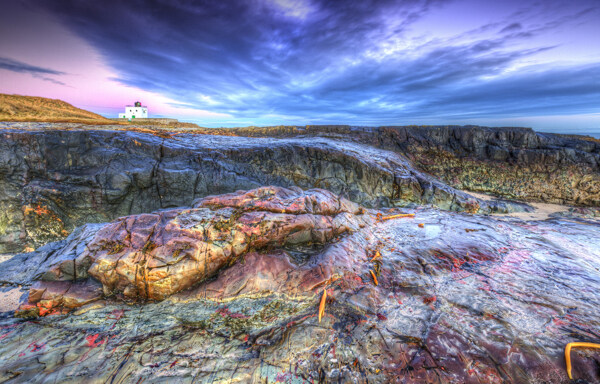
41	109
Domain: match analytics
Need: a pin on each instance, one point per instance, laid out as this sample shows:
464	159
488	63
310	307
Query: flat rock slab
437	297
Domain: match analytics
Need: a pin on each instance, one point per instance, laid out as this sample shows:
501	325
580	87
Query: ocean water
595	133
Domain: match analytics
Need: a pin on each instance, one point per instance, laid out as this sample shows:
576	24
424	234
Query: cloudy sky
262	62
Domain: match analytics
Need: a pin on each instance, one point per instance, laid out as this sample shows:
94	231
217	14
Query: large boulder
152	256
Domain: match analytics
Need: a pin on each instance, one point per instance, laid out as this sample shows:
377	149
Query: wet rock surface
152	256
56	177
440	297
510	161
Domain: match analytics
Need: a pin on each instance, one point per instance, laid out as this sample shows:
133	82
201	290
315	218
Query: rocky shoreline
55	178
420	294
167	256
516	163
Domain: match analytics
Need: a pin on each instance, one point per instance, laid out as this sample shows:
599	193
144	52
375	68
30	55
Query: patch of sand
481	196
542	211
10	297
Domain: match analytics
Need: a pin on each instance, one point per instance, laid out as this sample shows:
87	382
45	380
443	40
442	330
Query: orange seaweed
568	353
374	277
322	305
400	215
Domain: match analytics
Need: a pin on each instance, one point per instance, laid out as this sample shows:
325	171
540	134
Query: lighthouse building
134	111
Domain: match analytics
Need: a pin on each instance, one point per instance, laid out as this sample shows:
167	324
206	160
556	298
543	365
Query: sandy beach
542	211
10	298
4	258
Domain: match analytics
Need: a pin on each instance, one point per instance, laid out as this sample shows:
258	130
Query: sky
270	62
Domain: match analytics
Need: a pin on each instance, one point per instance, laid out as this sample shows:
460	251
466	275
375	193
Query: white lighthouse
134	111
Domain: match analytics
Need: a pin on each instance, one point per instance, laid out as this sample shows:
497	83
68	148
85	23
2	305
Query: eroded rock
152	256
512	162
459	298
228	289
57	177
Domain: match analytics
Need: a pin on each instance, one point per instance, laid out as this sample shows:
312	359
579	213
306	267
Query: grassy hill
32	108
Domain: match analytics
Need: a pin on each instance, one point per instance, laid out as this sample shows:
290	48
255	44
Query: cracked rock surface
57	177
152	256
517	163
440	297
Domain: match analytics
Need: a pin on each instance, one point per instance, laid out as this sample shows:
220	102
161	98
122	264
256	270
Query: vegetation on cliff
41	109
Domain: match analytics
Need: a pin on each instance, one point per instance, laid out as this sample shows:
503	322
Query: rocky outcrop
516	163
191	281
413	296
153	256
54	178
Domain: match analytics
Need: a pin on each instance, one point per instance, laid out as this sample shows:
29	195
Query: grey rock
55	180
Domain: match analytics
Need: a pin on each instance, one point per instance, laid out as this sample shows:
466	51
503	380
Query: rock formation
54	180
413	296
183	256
152	256
516	163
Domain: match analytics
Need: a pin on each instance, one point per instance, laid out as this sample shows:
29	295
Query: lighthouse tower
134	111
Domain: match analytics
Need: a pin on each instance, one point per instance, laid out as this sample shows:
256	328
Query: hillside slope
32	108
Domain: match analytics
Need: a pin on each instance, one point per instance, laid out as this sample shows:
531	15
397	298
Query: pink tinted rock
153	256
82	293
261	274
277	199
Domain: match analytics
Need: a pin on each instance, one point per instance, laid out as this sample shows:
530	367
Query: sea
595	133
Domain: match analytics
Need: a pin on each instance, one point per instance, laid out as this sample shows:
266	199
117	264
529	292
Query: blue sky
264	62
